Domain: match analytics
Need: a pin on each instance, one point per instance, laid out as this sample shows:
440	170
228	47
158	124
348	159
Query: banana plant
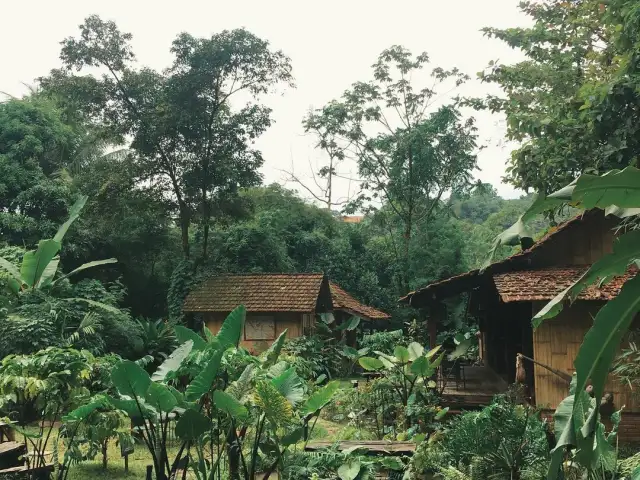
617	193
250	420
407	368
39	267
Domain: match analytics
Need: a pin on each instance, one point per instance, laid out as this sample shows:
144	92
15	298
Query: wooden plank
8	448
370	446
25	468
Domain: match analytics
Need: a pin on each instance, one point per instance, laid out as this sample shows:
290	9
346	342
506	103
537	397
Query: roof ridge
269	274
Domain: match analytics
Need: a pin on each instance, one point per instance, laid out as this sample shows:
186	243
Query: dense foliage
159	169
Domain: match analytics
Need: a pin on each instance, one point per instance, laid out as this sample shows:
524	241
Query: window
260	327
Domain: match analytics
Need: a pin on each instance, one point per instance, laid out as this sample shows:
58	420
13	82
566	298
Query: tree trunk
104	454
408	227
184	228
206	214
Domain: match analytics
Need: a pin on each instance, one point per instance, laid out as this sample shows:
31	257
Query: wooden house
275	302
506	295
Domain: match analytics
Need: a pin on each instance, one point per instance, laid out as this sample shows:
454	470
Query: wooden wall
581	243
556	343
283	320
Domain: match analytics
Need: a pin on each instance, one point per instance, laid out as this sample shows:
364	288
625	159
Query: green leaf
173	363
184	334
461	349
274	405
353	323
192	425
228	404
85	266
518	231
440	415
160	397
34	262
619	188
11	268
74	213
636	474
93	303
434	350
422	367
293	437
369	363
436	363
415	350
349	471
401	354
290	385
272	354
130	407
204	380
231	330
49	272
130	379
601	342
82	412
320	398
393	463
180	402
626	249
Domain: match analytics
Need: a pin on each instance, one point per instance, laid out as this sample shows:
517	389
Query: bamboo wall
292	321
556	343
581	243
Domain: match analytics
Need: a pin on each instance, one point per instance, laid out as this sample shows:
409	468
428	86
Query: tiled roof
257	292
464	281
546	283
343	301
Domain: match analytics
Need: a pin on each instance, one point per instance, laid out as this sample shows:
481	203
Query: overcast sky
331	44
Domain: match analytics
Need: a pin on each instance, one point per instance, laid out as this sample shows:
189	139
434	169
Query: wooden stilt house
505	296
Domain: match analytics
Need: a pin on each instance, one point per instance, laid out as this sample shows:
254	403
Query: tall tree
34	144
549	97
409	152
181	120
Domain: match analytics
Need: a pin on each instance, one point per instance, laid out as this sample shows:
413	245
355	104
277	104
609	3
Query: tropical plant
42	387
406	369
158	339
87	437
252	420
617	193
38	267
503	440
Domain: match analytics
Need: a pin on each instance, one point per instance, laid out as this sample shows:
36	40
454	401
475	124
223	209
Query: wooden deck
373	447
480	386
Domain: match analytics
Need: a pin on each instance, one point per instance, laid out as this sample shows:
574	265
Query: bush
500	441
315	354
383	342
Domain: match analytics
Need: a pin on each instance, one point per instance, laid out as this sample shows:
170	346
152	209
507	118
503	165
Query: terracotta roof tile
466	280
343	301
258	292
546	283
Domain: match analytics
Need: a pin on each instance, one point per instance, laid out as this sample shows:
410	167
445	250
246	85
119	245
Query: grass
92	469
140	458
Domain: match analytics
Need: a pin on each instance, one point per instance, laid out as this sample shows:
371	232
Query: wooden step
8	448
25	468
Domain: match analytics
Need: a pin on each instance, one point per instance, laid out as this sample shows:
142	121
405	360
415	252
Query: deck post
437	312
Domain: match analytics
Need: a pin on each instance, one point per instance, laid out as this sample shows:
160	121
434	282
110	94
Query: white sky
331	44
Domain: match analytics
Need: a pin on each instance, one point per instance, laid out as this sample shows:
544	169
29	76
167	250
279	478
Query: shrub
503	440
382	341
316	354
